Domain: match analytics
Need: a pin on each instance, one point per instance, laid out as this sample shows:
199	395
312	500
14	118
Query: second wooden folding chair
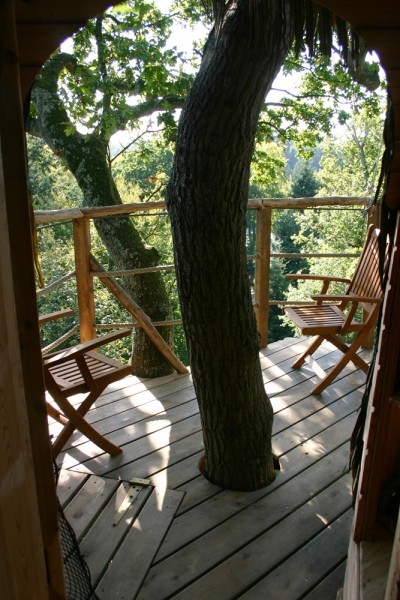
332	315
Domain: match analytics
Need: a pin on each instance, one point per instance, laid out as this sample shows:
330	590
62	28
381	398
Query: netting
78	583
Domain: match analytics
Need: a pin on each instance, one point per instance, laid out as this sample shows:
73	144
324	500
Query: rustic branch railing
84	270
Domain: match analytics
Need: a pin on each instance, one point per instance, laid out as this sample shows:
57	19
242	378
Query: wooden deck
186	538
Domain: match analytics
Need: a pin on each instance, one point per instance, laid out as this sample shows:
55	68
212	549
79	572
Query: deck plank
132	561
68	483
282	496
292	439
255	558
299	574
329	586
88	503
90	459
103	539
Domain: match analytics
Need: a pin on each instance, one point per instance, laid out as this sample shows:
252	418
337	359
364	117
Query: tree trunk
207	197
127	250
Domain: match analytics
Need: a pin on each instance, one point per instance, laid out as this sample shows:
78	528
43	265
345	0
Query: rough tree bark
207	197
86	158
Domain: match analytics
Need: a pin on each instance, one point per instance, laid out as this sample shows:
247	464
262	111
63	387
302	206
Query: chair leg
70	427
349	355
315	344
357	360
88	431
77	421
56	414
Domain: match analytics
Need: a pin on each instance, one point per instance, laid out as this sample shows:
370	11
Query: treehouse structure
31	561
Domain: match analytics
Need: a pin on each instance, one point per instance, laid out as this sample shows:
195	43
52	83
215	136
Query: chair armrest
80	349
59	314
317	277
345	298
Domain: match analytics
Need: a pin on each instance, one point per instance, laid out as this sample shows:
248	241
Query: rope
124	325
55	284
307	255
133	271
60	340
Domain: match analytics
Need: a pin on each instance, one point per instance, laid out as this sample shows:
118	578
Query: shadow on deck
184	537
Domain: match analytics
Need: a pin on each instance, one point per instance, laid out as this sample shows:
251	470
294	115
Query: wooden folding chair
328	321
80	369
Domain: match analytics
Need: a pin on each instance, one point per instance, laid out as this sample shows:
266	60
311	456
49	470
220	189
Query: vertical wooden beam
382	440
22	564
84	281
262	274
30	557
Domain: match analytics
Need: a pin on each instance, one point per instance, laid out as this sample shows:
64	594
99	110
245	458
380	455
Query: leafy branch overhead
118	70
336	68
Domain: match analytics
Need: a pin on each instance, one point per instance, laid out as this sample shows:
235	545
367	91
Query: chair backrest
367	280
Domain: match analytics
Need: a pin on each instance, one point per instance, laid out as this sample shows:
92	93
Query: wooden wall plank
27	471
393	580
382	442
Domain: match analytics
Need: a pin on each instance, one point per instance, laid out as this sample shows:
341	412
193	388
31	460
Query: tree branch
52	120
145	109
103	73
124	148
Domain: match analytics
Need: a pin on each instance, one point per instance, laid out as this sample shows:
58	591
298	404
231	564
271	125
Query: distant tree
51	184
351	157
305	184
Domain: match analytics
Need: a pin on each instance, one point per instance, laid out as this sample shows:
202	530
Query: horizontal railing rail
84	270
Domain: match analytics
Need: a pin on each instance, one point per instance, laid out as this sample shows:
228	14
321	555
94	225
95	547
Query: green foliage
286	229
56	258
268	177
148	167
139	175
51	184
355	152
324	92
327	231
124	61
277	328
305	183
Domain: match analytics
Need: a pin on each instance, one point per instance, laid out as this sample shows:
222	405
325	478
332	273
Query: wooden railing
264	255
86	267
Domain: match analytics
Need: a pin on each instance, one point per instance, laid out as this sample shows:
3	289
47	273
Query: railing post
262	274
84	281
373	215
